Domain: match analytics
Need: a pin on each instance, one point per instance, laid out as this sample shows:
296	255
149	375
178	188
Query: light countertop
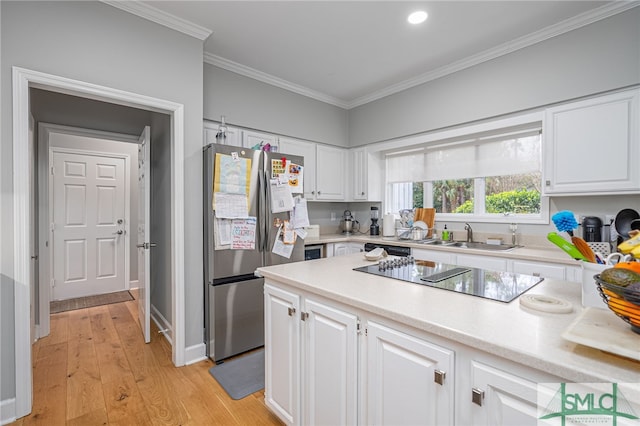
548	253
507	330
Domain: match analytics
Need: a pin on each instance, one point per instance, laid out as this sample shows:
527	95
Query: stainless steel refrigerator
234	306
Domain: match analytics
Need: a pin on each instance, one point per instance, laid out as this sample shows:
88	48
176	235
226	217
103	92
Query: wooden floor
95	369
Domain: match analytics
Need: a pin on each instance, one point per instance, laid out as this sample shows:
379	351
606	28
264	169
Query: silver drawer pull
439	376
291	311
477	396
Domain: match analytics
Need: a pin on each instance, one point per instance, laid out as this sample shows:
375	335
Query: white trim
162	323
195	353
263	77
23	79
161	17
573	23
133	284
7	411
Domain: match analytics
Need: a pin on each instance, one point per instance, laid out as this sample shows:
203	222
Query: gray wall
599	57
249	103
96	43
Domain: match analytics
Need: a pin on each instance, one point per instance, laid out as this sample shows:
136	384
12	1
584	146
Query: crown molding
555	30
158	16
153	14
253	73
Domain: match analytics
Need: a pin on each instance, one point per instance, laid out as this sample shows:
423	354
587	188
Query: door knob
119	232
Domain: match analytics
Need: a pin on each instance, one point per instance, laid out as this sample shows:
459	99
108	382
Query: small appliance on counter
374	229
348	224
592	229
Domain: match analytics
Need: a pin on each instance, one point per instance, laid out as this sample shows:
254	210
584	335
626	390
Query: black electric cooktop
494	285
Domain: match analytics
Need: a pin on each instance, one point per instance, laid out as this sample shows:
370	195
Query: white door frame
23	79
45	214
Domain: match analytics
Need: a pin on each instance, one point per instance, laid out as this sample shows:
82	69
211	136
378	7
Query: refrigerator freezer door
270	230
238	315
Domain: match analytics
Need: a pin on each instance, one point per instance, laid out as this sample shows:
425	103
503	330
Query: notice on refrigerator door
243	234
280	248
295	174
230	206
232	175
222	234
281	198
300	215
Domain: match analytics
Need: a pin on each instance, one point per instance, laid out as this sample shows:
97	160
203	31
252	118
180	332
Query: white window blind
500	155
406	166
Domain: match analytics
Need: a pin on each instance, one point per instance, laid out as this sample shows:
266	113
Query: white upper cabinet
330	172
365	175
308	151
324	168
251	139
591	146
233	135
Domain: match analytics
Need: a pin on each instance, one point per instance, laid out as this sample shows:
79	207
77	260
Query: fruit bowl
623	301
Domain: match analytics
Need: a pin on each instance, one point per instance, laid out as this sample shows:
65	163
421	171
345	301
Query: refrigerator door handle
262	219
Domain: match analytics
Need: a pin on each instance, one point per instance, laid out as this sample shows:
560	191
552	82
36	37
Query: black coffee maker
592	229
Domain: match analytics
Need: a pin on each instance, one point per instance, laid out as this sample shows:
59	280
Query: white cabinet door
355	248
591	146
233	135
539	269
258	139
308	151
401	374
482	262
340	249
502	398
359	173
330	383
282	353
434	256
330	172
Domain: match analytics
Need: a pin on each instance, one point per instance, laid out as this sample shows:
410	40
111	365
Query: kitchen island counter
507	330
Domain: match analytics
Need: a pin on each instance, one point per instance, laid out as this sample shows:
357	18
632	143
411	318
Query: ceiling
348	53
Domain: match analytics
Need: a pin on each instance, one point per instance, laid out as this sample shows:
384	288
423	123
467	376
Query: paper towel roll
388	225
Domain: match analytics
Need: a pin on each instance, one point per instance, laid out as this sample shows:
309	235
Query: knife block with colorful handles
426	215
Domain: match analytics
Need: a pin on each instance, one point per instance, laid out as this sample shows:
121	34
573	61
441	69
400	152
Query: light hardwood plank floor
95	369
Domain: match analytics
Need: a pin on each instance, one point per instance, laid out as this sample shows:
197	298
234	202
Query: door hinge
304	316
358	327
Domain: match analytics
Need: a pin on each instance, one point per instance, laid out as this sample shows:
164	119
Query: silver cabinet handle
477	395
439	376
291	311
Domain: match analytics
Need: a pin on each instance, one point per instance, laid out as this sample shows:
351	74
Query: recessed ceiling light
417	17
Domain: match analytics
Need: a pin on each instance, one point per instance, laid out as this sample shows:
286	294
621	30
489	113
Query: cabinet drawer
539	269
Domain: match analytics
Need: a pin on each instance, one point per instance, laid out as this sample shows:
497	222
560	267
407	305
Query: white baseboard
134	284
7	411
195	353
163	325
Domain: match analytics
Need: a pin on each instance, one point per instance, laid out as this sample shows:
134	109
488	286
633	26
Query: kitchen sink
472	245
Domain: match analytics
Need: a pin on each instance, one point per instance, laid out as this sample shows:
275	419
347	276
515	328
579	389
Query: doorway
90	173
23	80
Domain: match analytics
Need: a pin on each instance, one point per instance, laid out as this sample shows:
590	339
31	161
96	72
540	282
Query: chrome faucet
467	227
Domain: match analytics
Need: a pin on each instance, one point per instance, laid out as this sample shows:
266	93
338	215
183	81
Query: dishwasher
390	249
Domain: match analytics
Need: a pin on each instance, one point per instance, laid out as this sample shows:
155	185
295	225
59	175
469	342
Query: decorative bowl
623	301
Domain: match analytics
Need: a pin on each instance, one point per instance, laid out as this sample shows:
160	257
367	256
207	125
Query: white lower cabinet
330	364
409	380
482	262
499	397
434	256
539	269
311	357
341	249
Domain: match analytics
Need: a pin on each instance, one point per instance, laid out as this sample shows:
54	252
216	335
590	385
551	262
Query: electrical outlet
333	216
609	218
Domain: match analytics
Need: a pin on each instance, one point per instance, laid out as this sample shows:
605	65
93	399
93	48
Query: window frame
529	120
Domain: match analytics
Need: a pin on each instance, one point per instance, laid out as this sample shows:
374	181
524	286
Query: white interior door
144	245
88	230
